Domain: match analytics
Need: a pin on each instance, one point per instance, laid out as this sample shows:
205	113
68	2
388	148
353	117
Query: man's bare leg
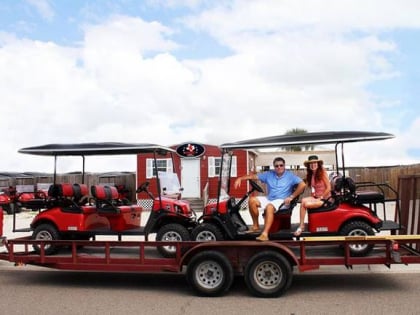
253	205
268	219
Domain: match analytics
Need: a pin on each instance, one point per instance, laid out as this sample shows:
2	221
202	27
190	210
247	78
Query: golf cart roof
96	148
326	137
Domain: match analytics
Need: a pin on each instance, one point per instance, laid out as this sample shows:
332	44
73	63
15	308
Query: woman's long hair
318	173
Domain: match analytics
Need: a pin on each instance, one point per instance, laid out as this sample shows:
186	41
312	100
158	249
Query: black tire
210	273
358	228
268	274
206	232
45	232
171	232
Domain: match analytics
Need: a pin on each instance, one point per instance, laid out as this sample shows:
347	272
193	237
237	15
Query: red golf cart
355	209
76	211
23	194
29	195
5	192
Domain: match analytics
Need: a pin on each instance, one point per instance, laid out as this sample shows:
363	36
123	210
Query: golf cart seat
82	198
349	189
61	190
362	197
80	191
283	215
120	216
106	198
65	196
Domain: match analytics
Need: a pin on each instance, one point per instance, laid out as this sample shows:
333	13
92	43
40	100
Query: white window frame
150	168
212	166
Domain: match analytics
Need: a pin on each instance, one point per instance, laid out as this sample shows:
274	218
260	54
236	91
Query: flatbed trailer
210	267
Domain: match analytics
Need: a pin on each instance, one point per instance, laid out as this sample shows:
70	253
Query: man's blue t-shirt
279	187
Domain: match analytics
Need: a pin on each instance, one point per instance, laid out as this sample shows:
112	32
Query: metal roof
96	148
310	138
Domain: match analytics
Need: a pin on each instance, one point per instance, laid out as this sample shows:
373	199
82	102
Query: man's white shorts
264	202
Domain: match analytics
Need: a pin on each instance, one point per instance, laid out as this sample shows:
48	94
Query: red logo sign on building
190	149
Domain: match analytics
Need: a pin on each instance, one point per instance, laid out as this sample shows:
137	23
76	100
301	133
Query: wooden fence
387	175
409	191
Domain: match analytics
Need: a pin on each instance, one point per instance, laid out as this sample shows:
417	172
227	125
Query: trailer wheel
171	232
358	228
210	273
206	232
268	274
45	232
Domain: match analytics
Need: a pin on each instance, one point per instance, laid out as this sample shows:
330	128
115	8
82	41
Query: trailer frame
210	267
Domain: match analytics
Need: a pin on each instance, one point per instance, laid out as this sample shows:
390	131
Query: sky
173	71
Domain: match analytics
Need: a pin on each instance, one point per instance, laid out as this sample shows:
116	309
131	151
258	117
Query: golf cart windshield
225	175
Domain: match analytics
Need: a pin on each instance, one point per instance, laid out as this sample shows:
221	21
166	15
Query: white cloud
228	20
288	69
43	7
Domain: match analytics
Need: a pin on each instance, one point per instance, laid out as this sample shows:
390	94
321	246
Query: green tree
298	131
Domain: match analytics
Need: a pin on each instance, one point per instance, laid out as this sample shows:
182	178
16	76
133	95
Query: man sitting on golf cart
280	183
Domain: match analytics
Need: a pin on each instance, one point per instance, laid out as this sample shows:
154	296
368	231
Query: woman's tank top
318	187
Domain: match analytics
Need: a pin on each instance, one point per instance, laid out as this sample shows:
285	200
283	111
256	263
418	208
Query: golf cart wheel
171	232
206	232
358	228
45	232
268	274
210	273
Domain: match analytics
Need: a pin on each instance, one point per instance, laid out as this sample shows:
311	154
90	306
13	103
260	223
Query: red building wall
245	165
244	160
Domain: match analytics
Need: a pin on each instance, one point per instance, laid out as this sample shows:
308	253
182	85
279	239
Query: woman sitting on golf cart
317	179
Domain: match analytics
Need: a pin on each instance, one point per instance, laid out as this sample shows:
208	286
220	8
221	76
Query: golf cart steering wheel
255	186
143	187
